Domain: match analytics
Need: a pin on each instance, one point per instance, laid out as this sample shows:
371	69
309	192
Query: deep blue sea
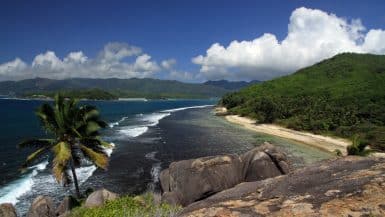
127	120
148	136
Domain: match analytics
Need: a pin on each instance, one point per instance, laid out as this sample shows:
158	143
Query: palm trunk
75	179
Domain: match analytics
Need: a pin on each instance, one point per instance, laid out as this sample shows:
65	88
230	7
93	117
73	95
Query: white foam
109	150
184	108
151	156
154	118
133	131
155	172
113	124
11	192
83	173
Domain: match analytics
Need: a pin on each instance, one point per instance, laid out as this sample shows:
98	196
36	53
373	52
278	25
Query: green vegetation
74	134
111	88
358	147
127	206
92	94
342	96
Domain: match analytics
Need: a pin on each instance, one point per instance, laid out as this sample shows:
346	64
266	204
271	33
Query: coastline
325	143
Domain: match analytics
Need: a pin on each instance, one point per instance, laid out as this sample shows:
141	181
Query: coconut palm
74	131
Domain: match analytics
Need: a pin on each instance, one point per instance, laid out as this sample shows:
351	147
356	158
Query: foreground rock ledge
350	186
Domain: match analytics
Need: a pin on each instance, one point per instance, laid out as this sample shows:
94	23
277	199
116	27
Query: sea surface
148	136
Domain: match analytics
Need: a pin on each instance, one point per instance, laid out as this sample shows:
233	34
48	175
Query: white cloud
144	63
76	58
313	35
181	75
168	64
48	60
13	69
115	51
375	41
175	74
110	62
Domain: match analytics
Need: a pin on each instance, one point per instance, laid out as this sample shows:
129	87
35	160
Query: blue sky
171	31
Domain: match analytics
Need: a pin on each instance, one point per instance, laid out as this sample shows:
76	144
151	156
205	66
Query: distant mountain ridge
133	87
231	85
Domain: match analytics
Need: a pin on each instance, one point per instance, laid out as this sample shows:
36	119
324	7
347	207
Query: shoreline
325	143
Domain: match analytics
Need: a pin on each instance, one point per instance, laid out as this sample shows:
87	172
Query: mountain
230	85
134	87
343	96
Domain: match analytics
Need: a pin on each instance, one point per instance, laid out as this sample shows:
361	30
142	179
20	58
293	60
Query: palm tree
75	134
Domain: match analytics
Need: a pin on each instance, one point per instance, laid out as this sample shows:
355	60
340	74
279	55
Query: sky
191	41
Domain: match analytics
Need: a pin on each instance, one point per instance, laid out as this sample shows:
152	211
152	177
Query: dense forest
342	96
112	87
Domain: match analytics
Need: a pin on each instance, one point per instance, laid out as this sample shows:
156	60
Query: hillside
343	96
134	87
231	85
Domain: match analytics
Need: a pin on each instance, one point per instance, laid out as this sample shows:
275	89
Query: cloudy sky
189	41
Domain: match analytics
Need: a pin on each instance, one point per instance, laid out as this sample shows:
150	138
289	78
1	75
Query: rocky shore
259	182
348	186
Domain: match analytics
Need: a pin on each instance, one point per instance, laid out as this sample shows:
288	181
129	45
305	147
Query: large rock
99	198
7	210
263	162
350	186
66	205
42	206
194	179
164	178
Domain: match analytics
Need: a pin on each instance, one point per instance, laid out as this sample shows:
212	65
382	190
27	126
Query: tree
74	131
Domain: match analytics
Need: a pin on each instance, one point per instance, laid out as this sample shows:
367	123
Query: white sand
326	143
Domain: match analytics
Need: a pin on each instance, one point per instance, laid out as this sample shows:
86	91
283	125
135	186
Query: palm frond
32	157
46	115
88	112
62	152
100	159
36	143
92	127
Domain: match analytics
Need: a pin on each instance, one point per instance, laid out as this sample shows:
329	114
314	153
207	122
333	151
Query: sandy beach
326	143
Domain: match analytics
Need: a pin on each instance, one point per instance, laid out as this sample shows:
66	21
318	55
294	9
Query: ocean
148	136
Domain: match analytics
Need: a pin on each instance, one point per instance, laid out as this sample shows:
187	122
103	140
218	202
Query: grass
146	205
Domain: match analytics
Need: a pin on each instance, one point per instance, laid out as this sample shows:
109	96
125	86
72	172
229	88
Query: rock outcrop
350	186
7	210
263	162
187	181
66	205
100	197
42	206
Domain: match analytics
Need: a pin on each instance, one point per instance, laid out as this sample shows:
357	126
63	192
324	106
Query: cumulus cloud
13	69
112	61
168	64
176	74
312	35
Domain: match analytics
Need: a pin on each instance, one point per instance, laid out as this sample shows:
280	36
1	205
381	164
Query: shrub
358	147
128	206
